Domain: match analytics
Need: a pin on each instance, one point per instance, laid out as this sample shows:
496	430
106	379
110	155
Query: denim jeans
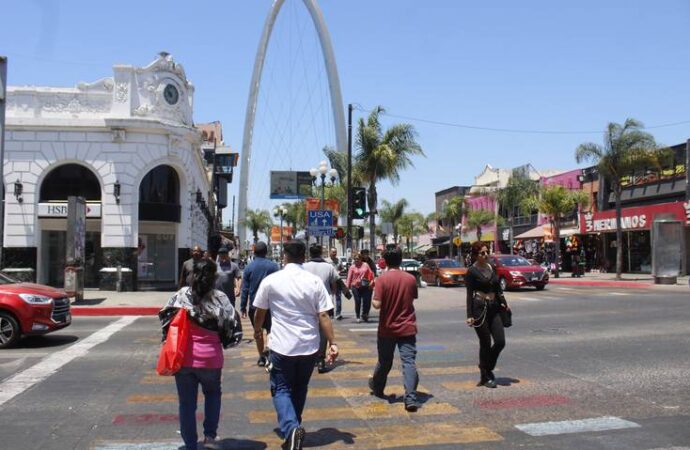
290	377
407	346
362	301
188	380
338	301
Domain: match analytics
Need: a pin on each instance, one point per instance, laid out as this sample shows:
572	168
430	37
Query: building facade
128	145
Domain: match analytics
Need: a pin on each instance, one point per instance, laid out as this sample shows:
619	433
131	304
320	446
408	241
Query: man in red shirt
394	294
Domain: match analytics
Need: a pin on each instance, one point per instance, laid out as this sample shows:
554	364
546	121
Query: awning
422	248
443	240
546	231
487	236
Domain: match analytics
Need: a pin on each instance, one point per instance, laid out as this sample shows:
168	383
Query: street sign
320	218
321	231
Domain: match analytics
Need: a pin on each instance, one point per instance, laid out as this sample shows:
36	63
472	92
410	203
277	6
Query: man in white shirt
299	304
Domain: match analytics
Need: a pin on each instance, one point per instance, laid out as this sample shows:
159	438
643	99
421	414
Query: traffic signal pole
349	178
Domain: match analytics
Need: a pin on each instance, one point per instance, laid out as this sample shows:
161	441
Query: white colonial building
128	145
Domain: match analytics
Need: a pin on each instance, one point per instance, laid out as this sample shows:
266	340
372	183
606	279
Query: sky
462	72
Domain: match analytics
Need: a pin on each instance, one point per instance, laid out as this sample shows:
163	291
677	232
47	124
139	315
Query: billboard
290	185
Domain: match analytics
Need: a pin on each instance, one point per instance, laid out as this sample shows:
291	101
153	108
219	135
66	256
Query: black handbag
505	312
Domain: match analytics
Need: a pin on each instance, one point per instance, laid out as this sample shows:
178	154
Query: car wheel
9	330
438	282
504	284
540	287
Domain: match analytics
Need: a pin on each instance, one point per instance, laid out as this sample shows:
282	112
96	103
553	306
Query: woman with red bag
213	325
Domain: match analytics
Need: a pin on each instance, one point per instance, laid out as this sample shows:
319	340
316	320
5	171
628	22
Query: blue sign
321	218
321	231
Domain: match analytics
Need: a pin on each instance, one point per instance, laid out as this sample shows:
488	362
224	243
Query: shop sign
58	210
636	218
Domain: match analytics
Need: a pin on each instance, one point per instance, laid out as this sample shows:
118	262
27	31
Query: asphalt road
584	368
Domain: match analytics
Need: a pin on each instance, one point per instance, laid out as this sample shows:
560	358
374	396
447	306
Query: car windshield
447	263
513	261
410	263
4	279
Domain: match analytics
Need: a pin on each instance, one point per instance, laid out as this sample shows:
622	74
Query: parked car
30	309
515	271
443	272
412	266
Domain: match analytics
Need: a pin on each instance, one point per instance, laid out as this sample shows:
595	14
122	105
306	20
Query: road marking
565	289
576	426
340	373
531	401
364	330
25	379
618	293
363	412
468	385
143	445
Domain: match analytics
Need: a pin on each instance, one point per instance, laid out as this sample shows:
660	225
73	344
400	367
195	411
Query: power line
504	130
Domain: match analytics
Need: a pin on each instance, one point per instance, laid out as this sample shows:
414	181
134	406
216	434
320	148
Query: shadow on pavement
328	436
422	398
46	341
239	444
505	381
89	302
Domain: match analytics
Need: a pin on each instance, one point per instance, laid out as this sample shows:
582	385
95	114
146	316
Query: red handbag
172	352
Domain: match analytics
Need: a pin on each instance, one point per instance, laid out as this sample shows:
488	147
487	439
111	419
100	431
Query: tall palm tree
259	221
511	197
392	213
477	218
411	225
451	214
626	148
382	155
556	202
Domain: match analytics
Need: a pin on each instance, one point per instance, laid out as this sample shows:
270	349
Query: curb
115	311
595	283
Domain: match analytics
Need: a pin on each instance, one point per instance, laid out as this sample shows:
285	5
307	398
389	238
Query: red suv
515	271
30	309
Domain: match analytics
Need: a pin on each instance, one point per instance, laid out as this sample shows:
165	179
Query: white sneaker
211	443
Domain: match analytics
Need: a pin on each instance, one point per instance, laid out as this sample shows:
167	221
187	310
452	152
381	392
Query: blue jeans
290	377
407	346
362	301
338	301
188	380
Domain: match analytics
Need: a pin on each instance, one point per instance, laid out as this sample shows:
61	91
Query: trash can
74	282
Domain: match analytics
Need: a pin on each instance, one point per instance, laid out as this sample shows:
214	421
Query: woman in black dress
484	303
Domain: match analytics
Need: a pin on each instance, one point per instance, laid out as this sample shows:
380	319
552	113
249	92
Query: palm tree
382	156
556	202
626	148
259	221
392	213
451	215
511	198
477	218
411	225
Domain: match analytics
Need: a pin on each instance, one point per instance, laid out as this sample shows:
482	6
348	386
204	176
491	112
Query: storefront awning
537	232
443	240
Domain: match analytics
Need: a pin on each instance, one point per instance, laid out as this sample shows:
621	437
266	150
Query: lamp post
280	212
322	171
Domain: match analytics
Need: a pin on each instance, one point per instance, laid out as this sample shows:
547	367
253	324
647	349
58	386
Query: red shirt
396	290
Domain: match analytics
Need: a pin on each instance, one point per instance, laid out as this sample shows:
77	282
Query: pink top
356	274
204	349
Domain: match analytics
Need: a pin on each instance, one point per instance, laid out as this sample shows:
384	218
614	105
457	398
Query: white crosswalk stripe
576	426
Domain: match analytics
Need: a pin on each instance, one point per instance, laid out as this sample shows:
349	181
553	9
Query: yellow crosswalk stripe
381	436
364	412
340	374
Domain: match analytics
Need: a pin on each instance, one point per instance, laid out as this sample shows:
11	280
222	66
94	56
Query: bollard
118	283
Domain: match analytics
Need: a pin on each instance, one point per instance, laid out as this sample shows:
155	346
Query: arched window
70	179
159	195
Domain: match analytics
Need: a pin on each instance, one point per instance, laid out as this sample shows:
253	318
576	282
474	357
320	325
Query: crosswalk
341	413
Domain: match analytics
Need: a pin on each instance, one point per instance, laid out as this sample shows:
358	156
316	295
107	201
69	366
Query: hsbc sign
636	218
57	210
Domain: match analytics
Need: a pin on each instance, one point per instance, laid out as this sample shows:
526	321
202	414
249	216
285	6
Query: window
159	195
70	179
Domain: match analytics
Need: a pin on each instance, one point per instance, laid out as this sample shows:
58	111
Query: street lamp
280	212
322	171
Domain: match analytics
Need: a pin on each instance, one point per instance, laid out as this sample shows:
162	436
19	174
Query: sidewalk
112	303
628	280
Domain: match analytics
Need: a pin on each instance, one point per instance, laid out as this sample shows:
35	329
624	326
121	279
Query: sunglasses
484	253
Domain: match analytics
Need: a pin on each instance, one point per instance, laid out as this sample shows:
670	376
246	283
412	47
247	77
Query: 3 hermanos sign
57	210
636	218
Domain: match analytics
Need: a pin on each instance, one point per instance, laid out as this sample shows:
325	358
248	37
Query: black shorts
267	321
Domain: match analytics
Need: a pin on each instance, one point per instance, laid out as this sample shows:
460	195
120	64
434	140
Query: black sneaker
295	439
490	384
373	391
321	366
411	406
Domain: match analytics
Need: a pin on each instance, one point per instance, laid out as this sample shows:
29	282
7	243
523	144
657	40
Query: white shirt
295	298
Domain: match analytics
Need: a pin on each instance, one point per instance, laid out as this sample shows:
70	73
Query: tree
511	198
392	213
556	202
382	156
451	215
626	148
259	221
411	225
477	218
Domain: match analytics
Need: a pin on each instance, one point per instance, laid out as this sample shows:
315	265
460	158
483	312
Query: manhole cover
551	331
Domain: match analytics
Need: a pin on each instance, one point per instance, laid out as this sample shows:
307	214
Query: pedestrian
366	257
394	295
299	303
188	267
329	276
338	294
253	275
214	325
582	262
484	302
229	275
359	280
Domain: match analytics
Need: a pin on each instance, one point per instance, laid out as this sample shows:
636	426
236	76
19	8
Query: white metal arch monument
333	85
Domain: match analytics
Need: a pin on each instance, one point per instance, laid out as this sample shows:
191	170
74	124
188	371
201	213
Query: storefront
636	224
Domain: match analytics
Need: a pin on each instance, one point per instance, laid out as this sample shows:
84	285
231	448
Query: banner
634	218
275	234
287	185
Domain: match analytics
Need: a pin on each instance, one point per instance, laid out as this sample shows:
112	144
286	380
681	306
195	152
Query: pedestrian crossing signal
359	203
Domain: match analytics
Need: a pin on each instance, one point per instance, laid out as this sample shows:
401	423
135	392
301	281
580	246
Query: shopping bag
172	352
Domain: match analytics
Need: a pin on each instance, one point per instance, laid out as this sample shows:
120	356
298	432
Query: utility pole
3	97
232	218
349	179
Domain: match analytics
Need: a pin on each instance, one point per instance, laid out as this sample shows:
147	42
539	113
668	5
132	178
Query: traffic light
359	203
